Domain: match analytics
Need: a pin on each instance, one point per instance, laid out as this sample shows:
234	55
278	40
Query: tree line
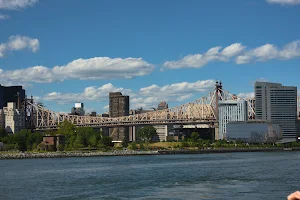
76	138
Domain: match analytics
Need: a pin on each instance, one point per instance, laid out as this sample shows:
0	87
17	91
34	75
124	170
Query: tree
20	139
66	128
132	146
146	133
93	141
2	132
194	136
107	141
125	143
86	133
78	143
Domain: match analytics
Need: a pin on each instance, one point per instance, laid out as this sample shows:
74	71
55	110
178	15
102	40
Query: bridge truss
202	110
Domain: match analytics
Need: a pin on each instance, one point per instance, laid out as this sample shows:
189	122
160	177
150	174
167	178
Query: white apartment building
231	111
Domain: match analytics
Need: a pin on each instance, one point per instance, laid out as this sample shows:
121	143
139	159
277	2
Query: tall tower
278	104
118	107
218	92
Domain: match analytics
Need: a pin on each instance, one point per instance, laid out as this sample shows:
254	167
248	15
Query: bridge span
201	111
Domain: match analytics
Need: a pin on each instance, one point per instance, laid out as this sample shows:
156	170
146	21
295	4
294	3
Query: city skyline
86	50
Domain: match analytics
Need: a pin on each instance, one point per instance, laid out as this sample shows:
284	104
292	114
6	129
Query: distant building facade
78	109
278	104
52	142
254	132
14	118
162	105
14	94
231	111
118	107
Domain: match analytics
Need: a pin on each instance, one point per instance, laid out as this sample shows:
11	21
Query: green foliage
107	141
60	147
125	143
3	133
146	133
132	146
194	136
79	141
24	140
66	128
93	141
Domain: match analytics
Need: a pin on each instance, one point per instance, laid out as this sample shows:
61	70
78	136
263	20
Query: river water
204	176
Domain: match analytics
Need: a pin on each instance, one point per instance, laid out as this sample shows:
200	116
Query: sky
64	52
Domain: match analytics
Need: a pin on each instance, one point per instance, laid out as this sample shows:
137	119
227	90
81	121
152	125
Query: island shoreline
63	154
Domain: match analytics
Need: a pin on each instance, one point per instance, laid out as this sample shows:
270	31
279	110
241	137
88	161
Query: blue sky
66	51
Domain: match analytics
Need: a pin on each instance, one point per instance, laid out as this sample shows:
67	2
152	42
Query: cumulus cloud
17	43
82	69
213	54
284	2
147	97
248	95
177	89
103	68
239	53
89	94
177	92
269	51
16	4
2	17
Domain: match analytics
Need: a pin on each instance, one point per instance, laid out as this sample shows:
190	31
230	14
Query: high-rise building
278	104
14	118
230	111
15	94
118	107
162	105
78	109
118	104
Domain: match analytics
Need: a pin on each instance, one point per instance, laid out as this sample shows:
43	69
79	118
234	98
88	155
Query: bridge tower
218	96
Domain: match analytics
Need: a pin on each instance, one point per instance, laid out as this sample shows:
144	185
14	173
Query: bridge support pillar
132	134
217	137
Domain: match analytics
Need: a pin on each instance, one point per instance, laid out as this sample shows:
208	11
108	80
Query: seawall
64	154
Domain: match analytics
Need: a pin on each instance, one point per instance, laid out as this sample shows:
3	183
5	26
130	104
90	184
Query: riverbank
226	150
63	154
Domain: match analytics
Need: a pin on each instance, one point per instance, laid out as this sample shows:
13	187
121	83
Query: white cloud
17	43
103	68
16	4
213	54
239	53
106	108
178	89
2	17
91	93
284	2
177	92
246	95
269	51
82	69
147	97
233	50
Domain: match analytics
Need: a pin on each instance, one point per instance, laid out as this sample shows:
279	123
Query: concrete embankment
73	154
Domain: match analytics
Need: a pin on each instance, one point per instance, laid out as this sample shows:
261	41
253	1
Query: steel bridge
201	111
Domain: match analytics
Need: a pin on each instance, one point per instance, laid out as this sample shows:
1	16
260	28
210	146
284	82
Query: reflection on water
210	176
